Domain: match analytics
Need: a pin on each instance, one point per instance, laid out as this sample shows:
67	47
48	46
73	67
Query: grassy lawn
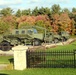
5	59
69	47
42	71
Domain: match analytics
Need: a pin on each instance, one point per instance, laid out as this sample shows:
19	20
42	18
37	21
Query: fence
52	59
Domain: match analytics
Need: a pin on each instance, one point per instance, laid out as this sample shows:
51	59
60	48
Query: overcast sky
25	4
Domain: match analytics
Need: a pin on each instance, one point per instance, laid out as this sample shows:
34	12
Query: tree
73	18
64	22
41	11
9	20
6	11
74	10
55	9
26	12
4	27
54	22
25	20
43	21
66	10
18	13
35	12
44	11
24	24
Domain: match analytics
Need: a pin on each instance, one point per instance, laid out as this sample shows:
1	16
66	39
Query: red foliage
42	17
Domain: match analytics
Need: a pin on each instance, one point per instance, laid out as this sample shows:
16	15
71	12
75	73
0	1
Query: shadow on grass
11	60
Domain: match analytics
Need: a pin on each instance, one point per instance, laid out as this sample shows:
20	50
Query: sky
26	4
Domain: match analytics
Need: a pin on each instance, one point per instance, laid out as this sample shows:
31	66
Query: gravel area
2	66
6	53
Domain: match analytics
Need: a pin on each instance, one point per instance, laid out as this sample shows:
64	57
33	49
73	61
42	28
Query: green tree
4	27
55	9
44	11
18	13
74	10
66	10
26	12
24	25
44	24
6	11
35	11
41	11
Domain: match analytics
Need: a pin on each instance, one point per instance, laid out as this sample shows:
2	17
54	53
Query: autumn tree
73	18
25	20
43	21
65	23
54	22
10	20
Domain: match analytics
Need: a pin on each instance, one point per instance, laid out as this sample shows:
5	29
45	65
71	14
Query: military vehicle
64	35
29	36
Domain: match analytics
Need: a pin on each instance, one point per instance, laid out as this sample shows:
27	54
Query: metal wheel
5	46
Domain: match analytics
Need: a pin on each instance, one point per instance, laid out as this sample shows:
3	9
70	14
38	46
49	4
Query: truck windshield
35	31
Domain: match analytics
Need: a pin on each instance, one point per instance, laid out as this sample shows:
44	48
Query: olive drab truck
30	36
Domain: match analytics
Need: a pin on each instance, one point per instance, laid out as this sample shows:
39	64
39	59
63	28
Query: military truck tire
36	42
56	40
64	39
5	46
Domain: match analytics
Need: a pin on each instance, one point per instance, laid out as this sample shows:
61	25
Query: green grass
69	47
5	59
42	71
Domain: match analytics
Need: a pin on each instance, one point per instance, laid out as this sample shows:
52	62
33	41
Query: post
20	62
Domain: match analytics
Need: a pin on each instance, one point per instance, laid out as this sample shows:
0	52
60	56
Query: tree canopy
54	19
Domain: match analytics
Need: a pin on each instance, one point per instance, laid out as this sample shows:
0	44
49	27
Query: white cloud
8	2
33	1
63	1
58	1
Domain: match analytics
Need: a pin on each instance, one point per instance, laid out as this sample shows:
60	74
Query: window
17	32
30	31
23	32
35	31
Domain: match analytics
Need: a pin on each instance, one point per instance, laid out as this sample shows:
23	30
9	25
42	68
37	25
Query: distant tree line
54	19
